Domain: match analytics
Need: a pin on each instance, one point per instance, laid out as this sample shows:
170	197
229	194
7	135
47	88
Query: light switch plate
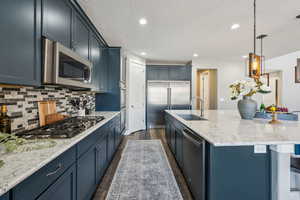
260	148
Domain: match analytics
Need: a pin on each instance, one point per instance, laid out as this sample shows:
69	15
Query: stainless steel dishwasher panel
194	163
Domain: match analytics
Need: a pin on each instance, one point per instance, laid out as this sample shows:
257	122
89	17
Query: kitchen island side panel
237	173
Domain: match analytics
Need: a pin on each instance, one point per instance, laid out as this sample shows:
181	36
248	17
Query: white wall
290	89
227	72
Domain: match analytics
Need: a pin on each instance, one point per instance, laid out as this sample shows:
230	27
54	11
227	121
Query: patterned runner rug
144	173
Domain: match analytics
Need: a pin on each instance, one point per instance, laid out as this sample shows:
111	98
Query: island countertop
19	166
226	128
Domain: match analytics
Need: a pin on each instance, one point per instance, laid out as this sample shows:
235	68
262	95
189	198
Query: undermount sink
191	117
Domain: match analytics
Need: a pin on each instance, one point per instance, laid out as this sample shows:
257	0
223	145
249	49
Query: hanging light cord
254	27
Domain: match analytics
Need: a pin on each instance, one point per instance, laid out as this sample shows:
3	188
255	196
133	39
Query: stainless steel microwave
62	66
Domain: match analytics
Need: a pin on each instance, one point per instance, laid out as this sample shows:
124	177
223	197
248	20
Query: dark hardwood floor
144	135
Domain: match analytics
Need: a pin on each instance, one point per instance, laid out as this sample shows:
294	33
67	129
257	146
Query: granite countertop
226	128
19	166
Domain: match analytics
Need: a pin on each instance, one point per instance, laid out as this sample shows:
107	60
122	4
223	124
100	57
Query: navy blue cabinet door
179	73
110	141
111	99
101	159
157	72
57	20
80	42
86	174
5	197
20	39
249	173
103	79
63	188
95	53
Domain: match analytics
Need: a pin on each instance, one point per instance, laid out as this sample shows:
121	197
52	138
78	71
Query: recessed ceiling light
235	26
195	55
143	53
245	56
143	21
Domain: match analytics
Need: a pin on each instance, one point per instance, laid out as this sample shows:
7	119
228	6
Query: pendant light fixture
254	61
263	59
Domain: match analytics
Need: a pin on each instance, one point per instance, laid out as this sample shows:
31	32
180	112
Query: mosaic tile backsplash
22	103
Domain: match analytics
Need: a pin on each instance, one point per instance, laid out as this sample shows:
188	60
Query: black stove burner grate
66	128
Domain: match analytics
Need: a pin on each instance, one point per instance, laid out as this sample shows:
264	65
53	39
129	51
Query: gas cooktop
66	128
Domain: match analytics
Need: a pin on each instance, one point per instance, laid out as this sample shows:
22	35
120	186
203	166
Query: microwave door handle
56	62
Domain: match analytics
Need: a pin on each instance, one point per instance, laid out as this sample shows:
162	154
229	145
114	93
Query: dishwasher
194	163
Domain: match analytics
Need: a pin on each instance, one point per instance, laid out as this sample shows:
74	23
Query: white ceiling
178	28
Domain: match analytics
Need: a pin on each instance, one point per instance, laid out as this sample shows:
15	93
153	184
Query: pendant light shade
254	66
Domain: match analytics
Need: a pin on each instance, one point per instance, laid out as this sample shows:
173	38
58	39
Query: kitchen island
73	166
225	157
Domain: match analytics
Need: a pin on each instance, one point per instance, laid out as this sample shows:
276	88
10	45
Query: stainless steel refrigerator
166	95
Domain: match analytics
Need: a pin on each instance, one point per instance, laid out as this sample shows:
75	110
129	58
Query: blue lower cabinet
5	196
86	174
101	159
75	174
238	173
63	188
110	142
217	173
36	184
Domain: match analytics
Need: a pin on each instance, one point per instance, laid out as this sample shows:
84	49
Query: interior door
157	103
136	110
204	89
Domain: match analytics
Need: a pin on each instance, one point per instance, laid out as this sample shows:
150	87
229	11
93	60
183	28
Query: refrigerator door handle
168	104
170	98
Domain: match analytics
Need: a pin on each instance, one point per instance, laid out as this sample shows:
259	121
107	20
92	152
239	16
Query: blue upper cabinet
57	21
174	73
157	73
80	41
20	50
98	56
111	99
180	73
95	54
103	72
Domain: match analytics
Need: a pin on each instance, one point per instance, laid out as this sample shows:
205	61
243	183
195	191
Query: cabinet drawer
33	186
63	188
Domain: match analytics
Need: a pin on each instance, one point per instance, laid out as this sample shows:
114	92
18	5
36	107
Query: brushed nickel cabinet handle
55	171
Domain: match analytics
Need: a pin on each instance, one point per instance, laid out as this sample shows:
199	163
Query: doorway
136	96
274	81
206	89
